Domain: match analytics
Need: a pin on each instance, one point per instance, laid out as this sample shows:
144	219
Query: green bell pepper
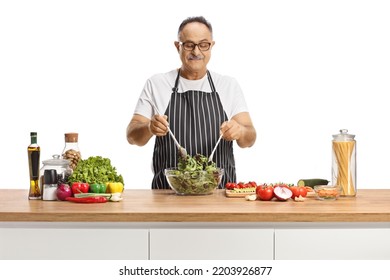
98	188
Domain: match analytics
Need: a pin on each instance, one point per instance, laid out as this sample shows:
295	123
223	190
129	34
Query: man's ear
177	45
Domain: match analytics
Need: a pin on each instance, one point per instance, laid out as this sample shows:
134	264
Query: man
197	104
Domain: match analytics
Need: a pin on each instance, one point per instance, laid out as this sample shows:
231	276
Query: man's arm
137	131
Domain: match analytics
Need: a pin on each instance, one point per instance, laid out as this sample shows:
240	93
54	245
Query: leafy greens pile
95	170
196	163
194	176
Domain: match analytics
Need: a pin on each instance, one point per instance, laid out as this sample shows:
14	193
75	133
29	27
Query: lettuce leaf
95	169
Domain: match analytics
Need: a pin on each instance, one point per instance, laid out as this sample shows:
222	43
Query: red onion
63	191
282	193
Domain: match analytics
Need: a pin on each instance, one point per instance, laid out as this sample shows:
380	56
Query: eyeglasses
190	46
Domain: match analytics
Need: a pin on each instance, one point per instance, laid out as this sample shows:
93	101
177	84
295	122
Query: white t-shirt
158	89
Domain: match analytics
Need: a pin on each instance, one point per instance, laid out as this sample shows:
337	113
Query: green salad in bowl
194	176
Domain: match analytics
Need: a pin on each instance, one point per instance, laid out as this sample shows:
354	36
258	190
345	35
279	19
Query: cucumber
312	182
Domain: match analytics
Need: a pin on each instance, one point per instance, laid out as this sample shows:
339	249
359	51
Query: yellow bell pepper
114	187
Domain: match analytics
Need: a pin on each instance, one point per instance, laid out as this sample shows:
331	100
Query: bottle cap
50	176
33	136
71	137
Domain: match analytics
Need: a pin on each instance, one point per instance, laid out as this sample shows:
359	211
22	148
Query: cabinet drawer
64	243
206	244
332	244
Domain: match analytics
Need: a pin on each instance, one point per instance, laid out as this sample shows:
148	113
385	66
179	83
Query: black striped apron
195	118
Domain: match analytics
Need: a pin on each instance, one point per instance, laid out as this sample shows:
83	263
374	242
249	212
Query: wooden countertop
370	205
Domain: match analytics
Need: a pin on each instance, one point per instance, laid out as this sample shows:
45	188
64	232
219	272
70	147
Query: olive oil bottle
34	153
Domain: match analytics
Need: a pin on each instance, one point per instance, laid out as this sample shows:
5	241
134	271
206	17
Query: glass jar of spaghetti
344	162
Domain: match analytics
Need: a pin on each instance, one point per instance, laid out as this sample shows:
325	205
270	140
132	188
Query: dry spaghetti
343	152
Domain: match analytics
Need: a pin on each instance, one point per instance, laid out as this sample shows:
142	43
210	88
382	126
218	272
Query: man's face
195	60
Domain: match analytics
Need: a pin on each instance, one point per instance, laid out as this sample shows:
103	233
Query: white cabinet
211	243
73	243
194	241
332	244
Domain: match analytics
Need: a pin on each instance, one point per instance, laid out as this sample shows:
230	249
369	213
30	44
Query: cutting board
229	193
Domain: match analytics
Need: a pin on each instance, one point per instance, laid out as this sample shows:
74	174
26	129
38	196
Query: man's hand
239	128
231	130
159	125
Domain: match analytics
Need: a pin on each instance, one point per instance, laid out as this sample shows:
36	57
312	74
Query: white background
307	68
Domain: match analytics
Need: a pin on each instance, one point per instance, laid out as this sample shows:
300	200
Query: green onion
108	195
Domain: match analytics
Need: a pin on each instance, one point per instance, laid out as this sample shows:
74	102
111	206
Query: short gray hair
199	19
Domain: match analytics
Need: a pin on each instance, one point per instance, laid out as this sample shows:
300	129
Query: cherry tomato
298	191
240	185
265	192
230	185
252	184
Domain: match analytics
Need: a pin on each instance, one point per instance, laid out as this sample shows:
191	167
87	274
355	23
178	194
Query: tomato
240	185
280	185
298	191
264	192
78	187
230	185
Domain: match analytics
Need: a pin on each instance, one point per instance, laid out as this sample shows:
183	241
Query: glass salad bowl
199	182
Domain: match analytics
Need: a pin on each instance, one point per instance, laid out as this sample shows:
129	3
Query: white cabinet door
208	244
332	244
64	243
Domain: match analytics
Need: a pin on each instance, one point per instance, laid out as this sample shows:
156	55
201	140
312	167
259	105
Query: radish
282	193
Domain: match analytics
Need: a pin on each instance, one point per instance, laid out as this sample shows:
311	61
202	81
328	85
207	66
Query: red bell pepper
79	187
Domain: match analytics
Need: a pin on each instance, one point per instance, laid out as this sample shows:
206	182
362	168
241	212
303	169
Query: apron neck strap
174	89
211	82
